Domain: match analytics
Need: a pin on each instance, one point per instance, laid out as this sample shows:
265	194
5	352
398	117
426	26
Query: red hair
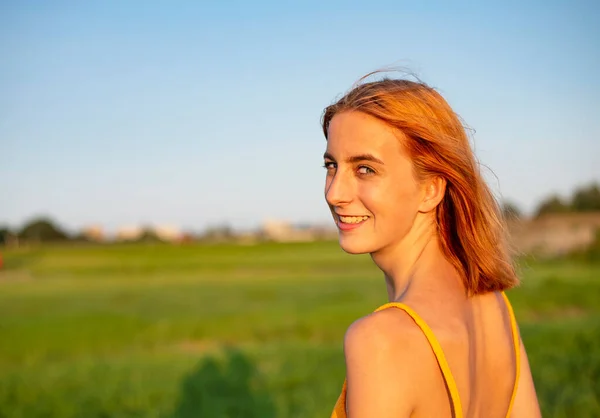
471	229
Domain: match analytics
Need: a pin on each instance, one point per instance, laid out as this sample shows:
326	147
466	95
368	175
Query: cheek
391	202
373	197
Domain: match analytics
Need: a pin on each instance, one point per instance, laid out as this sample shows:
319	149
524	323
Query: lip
347	227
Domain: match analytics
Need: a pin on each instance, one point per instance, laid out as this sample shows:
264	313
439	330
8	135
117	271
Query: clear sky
181	113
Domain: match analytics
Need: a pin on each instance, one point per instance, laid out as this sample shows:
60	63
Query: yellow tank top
339	410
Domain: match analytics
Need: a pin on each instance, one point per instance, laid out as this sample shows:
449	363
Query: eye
330	165
365	170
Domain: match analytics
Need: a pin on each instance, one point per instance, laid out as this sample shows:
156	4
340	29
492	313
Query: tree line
583	199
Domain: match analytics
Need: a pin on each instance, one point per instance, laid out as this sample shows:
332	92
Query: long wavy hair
471	229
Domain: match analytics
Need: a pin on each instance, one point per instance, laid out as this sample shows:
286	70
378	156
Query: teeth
353	219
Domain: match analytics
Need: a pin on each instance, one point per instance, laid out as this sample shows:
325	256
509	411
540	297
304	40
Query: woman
403	185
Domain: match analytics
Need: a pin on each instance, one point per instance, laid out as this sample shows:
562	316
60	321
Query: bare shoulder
389	331
385	356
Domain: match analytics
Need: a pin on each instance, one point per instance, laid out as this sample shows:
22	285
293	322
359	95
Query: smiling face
371	188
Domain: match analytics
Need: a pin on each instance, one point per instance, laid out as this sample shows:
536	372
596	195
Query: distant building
168	233
554	234
281	231
93	233
129	233
165	233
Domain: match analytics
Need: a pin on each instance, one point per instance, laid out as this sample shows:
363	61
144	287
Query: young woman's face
371	189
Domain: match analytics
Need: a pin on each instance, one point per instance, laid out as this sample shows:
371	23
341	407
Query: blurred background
165	247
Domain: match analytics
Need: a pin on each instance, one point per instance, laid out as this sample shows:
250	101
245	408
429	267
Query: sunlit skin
390	369
369	174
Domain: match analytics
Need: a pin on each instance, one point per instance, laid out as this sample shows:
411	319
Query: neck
405	262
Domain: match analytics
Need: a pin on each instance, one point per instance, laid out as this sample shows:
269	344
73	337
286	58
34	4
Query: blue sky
126	113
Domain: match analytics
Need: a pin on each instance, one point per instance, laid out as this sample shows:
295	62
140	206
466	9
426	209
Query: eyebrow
356	158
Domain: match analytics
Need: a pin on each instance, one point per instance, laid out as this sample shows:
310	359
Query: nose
338	190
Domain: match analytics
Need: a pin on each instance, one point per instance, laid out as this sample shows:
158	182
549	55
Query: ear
434	190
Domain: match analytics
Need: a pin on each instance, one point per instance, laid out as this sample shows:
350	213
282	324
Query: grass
239	331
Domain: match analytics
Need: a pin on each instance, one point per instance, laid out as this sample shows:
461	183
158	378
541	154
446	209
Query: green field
239	331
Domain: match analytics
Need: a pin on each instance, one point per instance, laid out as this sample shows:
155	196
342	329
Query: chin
354	245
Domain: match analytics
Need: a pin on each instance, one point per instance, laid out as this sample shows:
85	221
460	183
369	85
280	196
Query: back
479	345
466	355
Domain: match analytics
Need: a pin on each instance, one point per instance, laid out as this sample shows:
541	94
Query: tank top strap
517	348
437	351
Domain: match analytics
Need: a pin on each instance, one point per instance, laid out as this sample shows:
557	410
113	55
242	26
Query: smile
347	223
353	219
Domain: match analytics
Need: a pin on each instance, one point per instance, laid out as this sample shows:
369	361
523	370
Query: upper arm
379	365
526	403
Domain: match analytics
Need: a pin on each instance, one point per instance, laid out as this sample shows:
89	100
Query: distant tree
4	235
148	235
587	199
553	204
42	230
510	211
218	233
